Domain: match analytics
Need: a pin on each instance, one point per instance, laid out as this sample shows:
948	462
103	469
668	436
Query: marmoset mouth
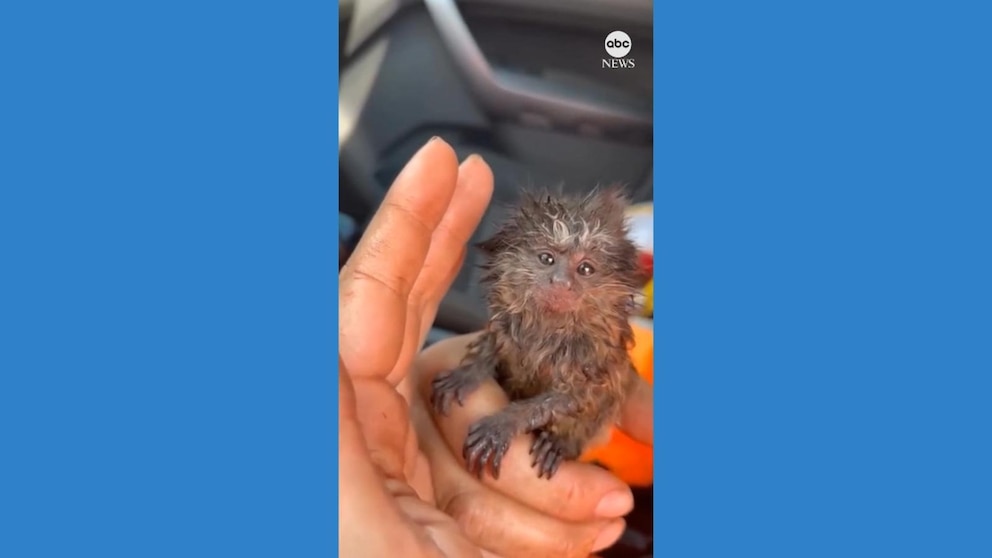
559	299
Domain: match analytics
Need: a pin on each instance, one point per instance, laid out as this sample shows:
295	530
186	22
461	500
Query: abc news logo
618	45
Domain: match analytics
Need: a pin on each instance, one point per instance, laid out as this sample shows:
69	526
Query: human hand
388	296
573	514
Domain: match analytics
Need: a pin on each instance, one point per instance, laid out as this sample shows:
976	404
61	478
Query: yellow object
649	298
627	458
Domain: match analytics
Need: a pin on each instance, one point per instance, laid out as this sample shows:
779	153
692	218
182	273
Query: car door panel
520	83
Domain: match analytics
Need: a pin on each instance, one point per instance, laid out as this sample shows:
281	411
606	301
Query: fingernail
608	536
434	138
615	504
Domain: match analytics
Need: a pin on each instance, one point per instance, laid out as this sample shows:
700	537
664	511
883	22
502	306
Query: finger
446	255
468	205
440	530
376	281
577	491
361	489
507	528
420	478
498	523
637	415
382	416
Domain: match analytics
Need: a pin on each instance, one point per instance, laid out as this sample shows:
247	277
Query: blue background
167	320
824	178
167	220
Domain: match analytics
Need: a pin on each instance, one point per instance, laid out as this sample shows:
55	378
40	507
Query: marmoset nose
561	278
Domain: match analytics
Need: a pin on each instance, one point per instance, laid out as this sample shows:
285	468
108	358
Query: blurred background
520	82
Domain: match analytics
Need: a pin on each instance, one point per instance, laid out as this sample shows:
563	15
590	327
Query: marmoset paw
454	385
548	452
486	444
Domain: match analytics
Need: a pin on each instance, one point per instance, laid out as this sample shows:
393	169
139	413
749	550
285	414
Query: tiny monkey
561	276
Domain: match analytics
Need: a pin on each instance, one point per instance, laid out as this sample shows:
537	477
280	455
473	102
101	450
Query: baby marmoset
561	274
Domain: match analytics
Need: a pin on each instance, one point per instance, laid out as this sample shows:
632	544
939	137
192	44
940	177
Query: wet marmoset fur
561	274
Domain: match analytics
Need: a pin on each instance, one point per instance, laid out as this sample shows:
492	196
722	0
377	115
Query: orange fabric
630	460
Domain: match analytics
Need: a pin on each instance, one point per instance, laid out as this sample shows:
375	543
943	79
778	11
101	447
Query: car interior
520	82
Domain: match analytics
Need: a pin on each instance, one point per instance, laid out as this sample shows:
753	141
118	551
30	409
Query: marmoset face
564	255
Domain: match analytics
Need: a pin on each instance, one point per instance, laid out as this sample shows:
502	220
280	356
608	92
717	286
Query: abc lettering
615	43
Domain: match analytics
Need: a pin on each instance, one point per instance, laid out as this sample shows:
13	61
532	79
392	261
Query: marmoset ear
508	233
500	241
608	203
491	246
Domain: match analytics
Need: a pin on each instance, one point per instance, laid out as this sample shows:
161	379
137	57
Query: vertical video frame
552	94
